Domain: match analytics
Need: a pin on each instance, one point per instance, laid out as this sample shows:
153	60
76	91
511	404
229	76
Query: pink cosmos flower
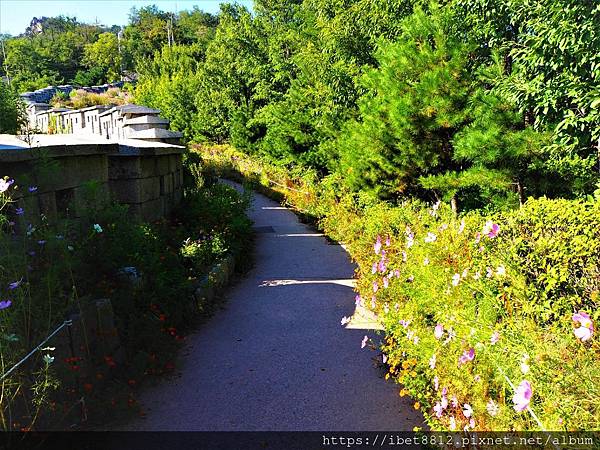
388	241
454	401
495	337
522	396
383	358
15	284
455	279
436	383
426	261
438	332
468	355
432	361
5	184
586	326
377	245
381	266
364	342
386	283
444	402
491	229
461	228
444	391
404	256
500	271
405	323
373	302
452	424
431	237
477	237
5	304
438	409
374	268
490	272
472	423
451	335
358	300
416	340
467	410
397	273
375	286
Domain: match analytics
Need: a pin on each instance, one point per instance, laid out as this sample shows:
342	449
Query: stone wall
143	175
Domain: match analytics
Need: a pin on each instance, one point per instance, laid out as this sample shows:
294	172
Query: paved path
277	358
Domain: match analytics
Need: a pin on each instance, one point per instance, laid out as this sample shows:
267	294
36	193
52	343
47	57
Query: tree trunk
598	154
453	205
521	193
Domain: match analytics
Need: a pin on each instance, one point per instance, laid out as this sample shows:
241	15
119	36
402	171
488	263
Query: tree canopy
468	100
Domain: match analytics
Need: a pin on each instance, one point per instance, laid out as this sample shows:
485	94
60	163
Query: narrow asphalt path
276	358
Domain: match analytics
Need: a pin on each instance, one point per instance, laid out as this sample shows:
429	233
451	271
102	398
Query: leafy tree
416	102
498	155
170	82
105	53
235	77
91	77
551	50
12	114
147	31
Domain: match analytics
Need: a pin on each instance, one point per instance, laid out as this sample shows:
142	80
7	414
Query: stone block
84	197
47	204
169	183
178	195
106	332
131	166
175	162
204	295
152	210
163	166
124	167
77	170
135	190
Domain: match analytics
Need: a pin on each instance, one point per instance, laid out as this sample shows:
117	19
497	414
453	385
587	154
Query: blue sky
15	15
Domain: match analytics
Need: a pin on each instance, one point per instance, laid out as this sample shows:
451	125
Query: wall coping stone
13	149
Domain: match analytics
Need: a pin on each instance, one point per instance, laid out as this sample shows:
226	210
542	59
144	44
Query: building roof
145	119
109	111
102	107
137	109
155	133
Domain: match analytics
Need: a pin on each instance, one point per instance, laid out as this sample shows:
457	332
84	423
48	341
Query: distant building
112	122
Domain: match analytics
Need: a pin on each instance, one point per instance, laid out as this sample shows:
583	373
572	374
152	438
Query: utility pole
169	31
119	37
5	65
